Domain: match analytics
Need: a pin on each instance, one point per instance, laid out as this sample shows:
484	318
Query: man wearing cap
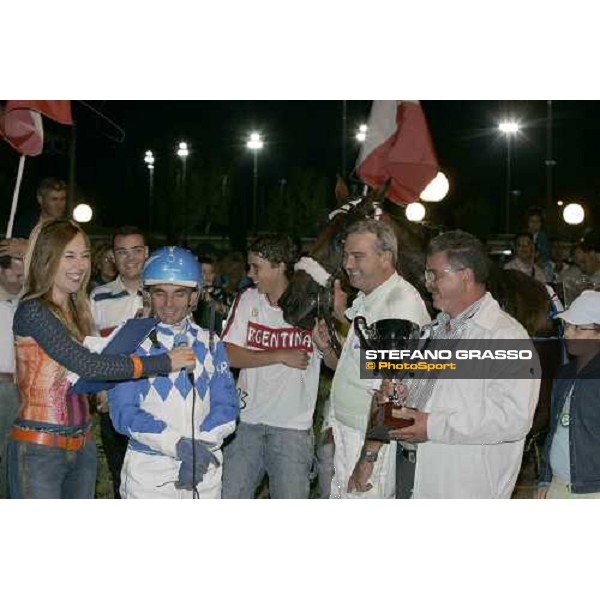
571	457
177	423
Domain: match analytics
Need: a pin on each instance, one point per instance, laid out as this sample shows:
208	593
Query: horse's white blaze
314	269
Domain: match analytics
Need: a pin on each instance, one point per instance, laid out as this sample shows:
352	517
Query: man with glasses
370	255
468	435
112	304
570	465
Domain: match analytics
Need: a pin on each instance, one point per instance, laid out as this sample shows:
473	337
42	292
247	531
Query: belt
7	377
409	455
72	443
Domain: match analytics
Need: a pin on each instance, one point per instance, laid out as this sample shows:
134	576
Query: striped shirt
112	304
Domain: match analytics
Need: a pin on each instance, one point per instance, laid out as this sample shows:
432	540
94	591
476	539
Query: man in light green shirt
370	255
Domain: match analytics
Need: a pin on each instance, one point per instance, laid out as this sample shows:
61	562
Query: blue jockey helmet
172	265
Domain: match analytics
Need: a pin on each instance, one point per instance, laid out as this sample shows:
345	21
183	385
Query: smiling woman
51	452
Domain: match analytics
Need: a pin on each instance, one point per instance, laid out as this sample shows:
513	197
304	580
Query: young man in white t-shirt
278	382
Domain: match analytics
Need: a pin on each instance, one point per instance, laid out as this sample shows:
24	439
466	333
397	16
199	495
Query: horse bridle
352	205
323	302
325	280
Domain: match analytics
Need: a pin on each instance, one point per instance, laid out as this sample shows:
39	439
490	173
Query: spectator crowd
201	389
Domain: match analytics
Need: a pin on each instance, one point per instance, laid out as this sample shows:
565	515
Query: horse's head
309	293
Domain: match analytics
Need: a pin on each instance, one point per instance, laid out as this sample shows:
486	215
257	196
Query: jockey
177	423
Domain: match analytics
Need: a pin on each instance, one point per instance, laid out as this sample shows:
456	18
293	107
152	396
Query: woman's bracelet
138	366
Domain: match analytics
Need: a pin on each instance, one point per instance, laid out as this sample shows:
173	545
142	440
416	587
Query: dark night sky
308	133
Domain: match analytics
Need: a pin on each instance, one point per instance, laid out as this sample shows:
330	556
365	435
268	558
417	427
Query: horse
310	292
521	296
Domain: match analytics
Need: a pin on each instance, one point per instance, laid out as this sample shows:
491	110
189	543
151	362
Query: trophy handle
360	327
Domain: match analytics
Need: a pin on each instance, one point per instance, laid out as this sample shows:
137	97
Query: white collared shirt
516	264
393	299
476	427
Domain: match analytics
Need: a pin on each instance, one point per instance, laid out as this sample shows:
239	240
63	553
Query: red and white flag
21	122
23	130
21	126
398	148
57	110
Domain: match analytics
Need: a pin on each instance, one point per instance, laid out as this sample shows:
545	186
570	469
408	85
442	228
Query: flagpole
508	182
549	161
15	199
72	169
344	129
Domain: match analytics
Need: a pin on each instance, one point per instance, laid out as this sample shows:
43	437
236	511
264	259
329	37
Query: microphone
181	341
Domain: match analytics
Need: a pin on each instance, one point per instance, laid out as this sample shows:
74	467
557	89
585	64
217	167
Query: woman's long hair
45	255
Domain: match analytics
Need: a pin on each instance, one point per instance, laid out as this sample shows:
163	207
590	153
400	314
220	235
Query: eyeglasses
125	252
432	275
579	327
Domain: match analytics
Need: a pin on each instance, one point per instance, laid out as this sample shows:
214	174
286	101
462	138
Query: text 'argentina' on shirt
278	338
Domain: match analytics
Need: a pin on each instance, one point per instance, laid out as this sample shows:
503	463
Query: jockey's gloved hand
186	478
203	456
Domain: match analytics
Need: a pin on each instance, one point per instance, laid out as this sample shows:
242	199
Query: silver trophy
387	334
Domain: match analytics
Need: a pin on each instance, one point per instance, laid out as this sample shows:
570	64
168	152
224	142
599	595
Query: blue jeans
37	471
9	408
285	455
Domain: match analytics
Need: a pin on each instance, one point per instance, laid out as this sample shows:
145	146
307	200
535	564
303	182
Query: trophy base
384	421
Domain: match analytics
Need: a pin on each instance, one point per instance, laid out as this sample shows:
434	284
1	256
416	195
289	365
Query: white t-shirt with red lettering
275	395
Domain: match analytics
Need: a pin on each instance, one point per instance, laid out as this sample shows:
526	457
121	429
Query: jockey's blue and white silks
156	413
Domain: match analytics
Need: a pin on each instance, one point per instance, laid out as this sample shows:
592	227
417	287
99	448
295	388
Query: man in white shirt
469	433
370	255
525	258
112	304
278	382
11	283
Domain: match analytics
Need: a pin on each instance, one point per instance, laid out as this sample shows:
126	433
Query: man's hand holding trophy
389	412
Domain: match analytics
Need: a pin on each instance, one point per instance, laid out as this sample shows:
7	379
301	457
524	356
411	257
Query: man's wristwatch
369	456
